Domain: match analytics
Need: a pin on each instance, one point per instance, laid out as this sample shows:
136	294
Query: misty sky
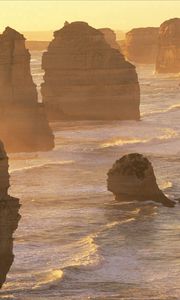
117	14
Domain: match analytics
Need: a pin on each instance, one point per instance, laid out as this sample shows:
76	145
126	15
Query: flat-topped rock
9	218
87	79
132	178
23	123
141	45
110	37
168	58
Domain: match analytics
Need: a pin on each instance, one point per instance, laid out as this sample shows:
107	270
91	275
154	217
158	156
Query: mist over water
74	241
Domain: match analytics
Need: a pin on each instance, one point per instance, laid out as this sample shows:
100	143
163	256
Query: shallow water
74	241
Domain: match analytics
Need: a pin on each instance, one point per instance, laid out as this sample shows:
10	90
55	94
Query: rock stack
87	79
110	37
23	124
168	58
132	178
141	45
9	218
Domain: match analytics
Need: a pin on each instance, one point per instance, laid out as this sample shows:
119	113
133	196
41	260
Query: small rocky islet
132	178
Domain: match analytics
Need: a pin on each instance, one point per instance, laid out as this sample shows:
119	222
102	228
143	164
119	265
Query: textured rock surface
23	124
168	58
86	79
110	37
9	218
142	45
132	178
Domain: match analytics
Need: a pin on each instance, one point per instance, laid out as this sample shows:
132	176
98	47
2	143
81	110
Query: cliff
168	58
141	45
23	123
9	218
132	178
87	79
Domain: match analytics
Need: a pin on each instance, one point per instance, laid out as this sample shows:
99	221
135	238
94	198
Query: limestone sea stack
141	45
110	37
132	178
9	218
23	123
86	79
168	58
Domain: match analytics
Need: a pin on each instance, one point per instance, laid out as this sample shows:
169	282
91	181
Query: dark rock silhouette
87	79
110	37
141	45
168	58
132	178
23	124
9	218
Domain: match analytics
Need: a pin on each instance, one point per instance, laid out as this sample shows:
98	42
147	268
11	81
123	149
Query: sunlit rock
9	217
87	79
23	124
132	178
141	45
168	58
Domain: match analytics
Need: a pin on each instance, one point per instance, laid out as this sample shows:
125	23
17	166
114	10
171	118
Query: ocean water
74	241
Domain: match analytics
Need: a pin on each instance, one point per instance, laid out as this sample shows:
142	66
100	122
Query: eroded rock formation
87	79
110	37
9	218
141	45
23	124
168	58
132	178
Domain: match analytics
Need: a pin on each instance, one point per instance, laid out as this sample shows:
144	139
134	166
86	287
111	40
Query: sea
74	241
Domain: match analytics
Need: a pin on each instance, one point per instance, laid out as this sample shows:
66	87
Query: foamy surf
167	134
34	165
48	277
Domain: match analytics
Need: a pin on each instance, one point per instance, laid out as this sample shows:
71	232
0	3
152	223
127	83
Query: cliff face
87	79
132	178
168	58
110	37
9	218
23	124
141	45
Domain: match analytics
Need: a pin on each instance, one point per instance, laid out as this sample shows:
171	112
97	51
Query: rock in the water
132	178
9	218
168	58
87	79
23	123
142	44
110	37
